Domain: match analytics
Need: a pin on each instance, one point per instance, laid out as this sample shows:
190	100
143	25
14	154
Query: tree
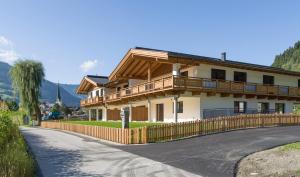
12	105
27	77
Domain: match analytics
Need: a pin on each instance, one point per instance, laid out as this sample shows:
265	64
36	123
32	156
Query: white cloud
8	56
4	42
7	52
88	65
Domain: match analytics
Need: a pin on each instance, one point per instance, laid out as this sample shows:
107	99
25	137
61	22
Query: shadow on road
65	163
215	155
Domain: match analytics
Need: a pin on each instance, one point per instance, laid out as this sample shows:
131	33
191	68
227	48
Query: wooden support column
149	71
149	110
175	114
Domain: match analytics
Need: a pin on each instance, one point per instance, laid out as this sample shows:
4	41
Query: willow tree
27	77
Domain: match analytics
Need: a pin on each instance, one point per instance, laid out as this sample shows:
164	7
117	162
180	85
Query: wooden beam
137	68
149	71
237	95
130	67
211	94
196	93
261	96
224	94
272	97
250	96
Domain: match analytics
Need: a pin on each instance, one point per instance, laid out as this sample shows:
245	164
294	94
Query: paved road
63	154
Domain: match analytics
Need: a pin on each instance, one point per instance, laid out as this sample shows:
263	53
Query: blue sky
74	38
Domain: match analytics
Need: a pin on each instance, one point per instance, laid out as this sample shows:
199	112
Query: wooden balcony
179	83
232	87
91	101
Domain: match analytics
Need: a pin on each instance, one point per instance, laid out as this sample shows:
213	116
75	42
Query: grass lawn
293	146
115	124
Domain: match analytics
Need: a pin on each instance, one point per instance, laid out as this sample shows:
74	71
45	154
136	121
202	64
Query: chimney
223	56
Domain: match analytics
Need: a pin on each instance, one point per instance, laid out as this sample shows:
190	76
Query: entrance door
160	112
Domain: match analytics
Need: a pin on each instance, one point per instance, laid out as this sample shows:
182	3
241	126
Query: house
166	86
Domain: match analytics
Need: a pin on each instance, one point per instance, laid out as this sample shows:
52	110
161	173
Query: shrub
14	158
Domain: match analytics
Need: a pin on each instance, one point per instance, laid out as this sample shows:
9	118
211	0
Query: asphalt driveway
64	154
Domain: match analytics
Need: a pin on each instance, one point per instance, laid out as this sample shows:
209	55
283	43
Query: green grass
14	158
293	146
114	124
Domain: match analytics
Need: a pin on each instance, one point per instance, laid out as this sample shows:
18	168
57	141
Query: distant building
58	96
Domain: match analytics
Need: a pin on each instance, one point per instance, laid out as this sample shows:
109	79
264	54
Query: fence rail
118	135
172	131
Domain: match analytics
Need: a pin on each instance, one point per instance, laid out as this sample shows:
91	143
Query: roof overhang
87	85
135	63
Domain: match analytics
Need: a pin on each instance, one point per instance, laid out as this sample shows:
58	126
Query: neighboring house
167	86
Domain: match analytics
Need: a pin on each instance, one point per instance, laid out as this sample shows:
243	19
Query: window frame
237	106
238	74
179	107
268	78
217	73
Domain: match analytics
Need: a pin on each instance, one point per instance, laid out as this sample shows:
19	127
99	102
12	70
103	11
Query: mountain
71	88
289	59
48	89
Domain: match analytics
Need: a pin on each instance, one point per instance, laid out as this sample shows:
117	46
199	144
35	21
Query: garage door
139	113
113	114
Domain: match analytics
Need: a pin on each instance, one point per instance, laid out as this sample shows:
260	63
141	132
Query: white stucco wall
217	102
204	71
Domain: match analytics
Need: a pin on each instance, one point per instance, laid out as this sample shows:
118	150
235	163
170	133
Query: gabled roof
164	56
91	81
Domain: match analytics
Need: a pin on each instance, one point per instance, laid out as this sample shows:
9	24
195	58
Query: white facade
196	106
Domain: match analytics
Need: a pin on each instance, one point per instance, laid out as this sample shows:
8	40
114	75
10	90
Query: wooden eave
86	85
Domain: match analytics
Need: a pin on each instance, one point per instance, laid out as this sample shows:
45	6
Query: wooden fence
172	131
118	135
167	132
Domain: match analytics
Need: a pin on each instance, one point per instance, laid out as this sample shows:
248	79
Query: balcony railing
234	87
196	84
144	88
91	101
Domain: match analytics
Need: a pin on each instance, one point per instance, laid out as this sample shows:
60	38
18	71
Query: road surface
66	154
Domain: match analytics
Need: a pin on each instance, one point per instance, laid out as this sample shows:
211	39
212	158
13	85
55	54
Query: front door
160	112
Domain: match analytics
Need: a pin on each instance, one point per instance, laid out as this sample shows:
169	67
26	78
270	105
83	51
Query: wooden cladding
139	113
113	114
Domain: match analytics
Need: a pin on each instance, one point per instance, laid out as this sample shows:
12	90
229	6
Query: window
101	92
299	83
118	89
240	76
218	74
279	108
268	80
97	93
125	86
185	73
179	107
240	107
263	107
